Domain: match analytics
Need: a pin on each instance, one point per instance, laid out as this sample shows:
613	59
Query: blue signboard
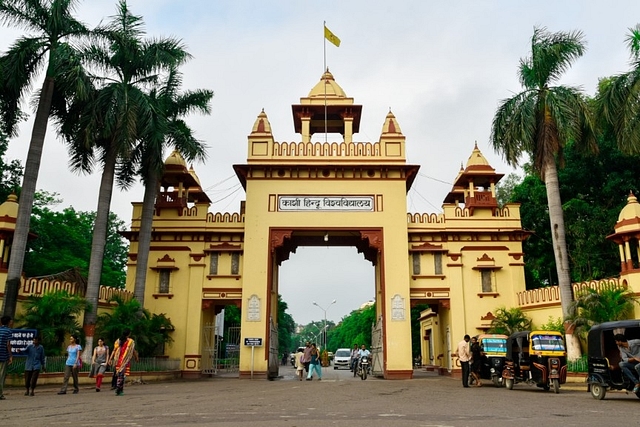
20	339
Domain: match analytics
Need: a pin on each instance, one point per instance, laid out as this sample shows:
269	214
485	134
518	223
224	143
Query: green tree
286	327
53	26
169	129
617	102
591	189
353	329
55	315
509	320
416	336
592	307
540	121
63	243
107	122
151	332
10	171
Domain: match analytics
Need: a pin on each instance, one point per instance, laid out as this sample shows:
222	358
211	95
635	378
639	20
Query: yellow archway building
463	262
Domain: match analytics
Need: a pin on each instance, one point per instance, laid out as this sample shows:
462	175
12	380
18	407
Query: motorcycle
363	368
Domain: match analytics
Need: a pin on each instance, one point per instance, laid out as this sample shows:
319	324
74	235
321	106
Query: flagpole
324	25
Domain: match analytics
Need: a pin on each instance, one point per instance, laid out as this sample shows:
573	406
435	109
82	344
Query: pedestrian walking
314	363
99	363
122	354
34	363
306	358
72	365
299	364
6	357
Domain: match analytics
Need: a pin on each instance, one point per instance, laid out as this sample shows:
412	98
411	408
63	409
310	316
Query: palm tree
508	321
110	120
592	307
618	98
540	121
54	315
53	25
169	129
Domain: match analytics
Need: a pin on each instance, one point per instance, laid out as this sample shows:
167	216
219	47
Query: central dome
328	87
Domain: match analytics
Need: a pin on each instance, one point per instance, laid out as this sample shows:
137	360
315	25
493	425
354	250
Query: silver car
342	358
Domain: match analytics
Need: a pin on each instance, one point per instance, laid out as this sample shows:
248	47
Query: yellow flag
331	37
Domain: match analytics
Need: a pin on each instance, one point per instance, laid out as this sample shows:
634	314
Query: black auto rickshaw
494	348
604	357
537	358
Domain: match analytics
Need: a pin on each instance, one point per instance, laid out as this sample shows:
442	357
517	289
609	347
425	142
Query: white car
342	358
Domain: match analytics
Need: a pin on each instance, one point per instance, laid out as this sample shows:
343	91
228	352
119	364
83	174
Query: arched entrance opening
368	242
323	274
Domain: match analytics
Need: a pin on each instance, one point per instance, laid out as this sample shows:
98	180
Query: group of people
101	360
470	355
308	360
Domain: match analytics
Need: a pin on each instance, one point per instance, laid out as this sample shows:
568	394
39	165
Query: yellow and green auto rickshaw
494	349
537	358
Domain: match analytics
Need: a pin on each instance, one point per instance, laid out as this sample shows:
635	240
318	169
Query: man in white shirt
464	356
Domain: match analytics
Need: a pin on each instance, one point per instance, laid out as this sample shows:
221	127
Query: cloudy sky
442	68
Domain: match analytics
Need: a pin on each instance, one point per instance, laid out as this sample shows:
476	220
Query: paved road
339	399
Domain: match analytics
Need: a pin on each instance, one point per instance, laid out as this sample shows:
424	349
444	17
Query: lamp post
324	345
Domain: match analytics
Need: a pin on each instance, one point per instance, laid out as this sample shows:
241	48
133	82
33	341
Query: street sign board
20	339
253	342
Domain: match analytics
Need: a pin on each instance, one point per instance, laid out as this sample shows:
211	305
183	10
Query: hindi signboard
326	203
20	339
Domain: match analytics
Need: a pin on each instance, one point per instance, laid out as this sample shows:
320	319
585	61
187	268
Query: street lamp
324	345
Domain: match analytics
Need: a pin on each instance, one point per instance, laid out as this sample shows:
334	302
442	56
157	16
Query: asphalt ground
339	399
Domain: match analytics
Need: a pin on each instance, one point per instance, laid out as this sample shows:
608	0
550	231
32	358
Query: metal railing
144	364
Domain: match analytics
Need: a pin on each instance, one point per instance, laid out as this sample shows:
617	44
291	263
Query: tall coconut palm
169	130
52	24
110	122
540	121
618	99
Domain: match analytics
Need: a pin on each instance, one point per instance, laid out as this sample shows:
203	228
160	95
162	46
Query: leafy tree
353	329
63	242
150	331
107	122
10	172
592	307
416	336
553	324
509	320
169	129
617	102
55	315
540	121
286	327
53	26
591	188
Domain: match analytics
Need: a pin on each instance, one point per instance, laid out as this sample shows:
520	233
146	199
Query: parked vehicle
604	357
363	368
494	347
537	358
342	358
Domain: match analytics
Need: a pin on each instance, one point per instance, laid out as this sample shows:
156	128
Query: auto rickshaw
537	358
494	347
604	357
